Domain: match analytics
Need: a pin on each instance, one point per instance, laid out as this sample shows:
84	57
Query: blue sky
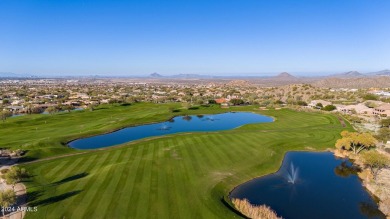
219	37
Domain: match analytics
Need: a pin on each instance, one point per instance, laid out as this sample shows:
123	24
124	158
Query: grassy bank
179	176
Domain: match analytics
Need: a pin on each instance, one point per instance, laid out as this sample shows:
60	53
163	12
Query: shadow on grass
25	159
54	199
32	196
70	178
224	202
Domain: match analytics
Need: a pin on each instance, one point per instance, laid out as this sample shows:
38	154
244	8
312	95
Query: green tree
28	108
7	198
329	108
370	104
91	107
4	114
385	122
68	108
319	105
236	101
15	175
51	110
5	101
370	97
355	142
280	102
375	162
186	105
383	135
212	101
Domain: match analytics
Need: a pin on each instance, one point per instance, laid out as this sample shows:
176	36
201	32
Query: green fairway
178	176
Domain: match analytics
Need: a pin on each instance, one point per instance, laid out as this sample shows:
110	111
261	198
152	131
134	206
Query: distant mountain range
284	76
356	74
182	76
14	75
385	72
350	74
281	76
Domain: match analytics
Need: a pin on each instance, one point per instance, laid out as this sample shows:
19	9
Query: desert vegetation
375	161
355	141
254	211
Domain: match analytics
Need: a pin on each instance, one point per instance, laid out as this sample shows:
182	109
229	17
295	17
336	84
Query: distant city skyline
218	37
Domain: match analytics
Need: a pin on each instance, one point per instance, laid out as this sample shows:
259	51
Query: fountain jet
292	174
164	127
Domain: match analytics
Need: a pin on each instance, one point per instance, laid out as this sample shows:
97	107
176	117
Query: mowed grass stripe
138	179
120	179
185	184
96	190
207	150
144	190
171	198
190	177
201	156
72	185
224	146
218	145
152	207
58	168
120	202
163	190
106	191
73	165
67	205
81	206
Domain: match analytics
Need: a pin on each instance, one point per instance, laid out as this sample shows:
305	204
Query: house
15	109
358	108
221	100
382	110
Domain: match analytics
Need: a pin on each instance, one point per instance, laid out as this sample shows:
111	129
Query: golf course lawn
177	176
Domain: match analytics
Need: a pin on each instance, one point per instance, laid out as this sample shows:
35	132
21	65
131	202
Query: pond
197	123
311	185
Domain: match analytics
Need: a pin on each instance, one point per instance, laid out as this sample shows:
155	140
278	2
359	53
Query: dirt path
341	121
20	190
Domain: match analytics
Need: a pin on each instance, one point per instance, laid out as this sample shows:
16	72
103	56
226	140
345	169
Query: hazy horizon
248	74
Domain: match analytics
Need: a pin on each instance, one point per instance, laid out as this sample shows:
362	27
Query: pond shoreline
379	187
152	135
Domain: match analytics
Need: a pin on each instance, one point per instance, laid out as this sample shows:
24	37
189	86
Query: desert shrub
301	103
4	171
370	97
329	108
253	211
